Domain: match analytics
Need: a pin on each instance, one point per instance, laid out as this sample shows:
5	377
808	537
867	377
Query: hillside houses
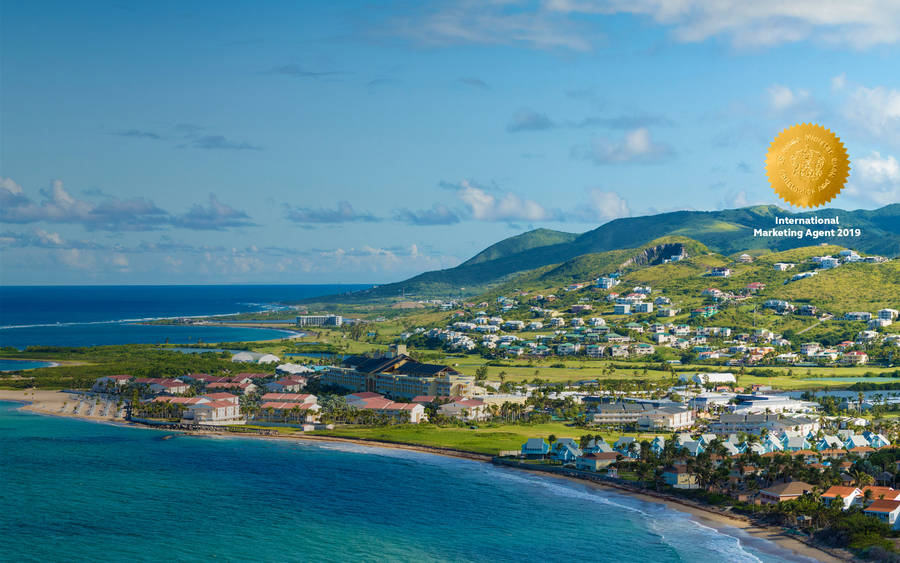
572	325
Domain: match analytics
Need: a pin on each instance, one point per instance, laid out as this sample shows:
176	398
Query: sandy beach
58	403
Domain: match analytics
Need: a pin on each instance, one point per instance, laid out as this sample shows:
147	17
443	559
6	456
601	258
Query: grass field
487	439
576	370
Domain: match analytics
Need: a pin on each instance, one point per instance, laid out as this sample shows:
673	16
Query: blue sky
210	142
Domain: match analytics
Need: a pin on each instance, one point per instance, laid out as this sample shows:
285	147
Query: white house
886	511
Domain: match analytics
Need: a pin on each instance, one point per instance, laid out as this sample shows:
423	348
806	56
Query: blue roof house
535	448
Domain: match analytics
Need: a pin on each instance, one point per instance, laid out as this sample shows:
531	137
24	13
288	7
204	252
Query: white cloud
77	259
560	24
48	237
605	206
877	179
734	199
111	214
878	169
9	186
783	98
506	206
839	81
760	23
637	146
502	22
876	111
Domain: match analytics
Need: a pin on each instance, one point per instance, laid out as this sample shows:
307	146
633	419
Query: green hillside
633	263
850	287
520	243
725	232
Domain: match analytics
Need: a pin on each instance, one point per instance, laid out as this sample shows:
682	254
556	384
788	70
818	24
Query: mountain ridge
724	232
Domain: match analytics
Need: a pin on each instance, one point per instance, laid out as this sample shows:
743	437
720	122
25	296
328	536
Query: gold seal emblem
807	165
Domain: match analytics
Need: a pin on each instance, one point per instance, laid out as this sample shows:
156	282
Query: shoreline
42	402
55	363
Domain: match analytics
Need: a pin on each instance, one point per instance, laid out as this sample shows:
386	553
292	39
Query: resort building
320	320
304	398
214	413
110	383
288	385
755	423
233	399
242	388
398	376
758	404
163	385
467	410
405	412
644	415
288	411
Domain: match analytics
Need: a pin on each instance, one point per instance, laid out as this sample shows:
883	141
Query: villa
596	461
680	477
847	495
886	511
535	448
783	491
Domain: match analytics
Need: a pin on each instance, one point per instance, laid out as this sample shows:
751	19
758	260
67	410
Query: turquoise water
102	334
13	365
98	315
76	490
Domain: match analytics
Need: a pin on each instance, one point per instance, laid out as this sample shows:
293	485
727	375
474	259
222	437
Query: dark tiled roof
403	365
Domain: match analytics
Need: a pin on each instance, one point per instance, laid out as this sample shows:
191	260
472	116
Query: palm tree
861	478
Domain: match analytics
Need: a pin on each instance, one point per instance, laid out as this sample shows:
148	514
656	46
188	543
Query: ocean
82	491
16	365
101	315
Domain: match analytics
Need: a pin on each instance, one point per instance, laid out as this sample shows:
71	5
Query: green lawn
579	369
487	439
